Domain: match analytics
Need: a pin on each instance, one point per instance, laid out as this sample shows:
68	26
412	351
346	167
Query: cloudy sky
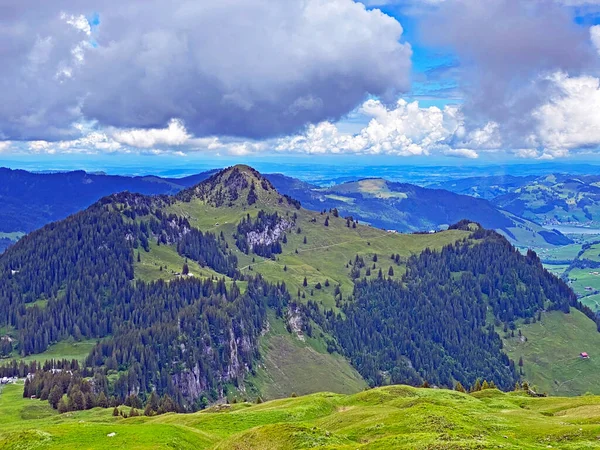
451	79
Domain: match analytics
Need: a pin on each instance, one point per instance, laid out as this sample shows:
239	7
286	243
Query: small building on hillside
584	355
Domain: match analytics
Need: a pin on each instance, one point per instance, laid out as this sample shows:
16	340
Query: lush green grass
556	269
172	262
291	365
551	353
62	350
592	253
563	253
580	279
592	301
392	417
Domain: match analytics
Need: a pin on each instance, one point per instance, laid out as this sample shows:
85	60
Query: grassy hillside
301	366
290	365
166	256
556	199
392	417
407	208
551	353
62	350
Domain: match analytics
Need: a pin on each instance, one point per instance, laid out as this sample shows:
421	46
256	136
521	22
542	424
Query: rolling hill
399	417
409	208
488	187
556	199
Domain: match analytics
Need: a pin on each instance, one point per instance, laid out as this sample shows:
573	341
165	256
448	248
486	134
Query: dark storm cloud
252	68
505	47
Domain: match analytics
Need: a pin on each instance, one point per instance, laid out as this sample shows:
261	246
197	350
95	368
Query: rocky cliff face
269	235
193	382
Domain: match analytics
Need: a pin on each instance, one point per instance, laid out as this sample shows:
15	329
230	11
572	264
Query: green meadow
391	417
550	350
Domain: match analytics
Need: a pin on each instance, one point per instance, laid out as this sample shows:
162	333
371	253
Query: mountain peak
239	185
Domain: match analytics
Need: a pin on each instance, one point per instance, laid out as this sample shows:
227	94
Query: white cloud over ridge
567	122
404	130
174	134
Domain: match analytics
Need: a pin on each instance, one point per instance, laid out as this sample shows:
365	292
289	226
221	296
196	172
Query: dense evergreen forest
188	337
433	324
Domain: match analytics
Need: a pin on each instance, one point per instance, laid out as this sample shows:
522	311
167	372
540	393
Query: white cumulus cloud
174	134
404	130
461	153
570	119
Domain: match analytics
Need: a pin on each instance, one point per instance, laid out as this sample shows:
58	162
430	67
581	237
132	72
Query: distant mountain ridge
485	187
556	199
31	200
410	208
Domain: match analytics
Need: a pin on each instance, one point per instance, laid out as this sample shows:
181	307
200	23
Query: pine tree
186	269
55	396
391	272
459	387
115	412
62	406
102	400
305	282
148	410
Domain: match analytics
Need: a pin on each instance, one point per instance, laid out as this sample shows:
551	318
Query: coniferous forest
432	324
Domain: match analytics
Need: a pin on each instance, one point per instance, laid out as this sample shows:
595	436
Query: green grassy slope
148	268
556	199
580	279
62	350
291	365
392	417
551	353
